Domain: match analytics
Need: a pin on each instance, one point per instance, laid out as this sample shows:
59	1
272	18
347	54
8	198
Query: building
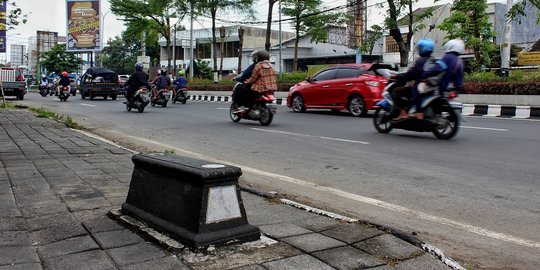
18	55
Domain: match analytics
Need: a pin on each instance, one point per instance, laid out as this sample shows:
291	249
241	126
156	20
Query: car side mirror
309	79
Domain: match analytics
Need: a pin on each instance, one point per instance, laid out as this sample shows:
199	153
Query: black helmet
260	55
138	66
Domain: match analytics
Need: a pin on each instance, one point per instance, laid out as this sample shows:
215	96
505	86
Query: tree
212	7
15	15
469	21
269	24
58	60
372	37
309	19
151	16
413	21
518	9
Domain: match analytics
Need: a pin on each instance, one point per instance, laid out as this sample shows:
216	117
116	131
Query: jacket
263	78
453	65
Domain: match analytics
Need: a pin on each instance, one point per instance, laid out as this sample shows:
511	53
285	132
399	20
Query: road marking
89	105
484	128
307	135
392	207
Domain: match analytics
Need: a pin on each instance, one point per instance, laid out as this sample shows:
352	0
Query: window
324	75
203	50
391	44
349	72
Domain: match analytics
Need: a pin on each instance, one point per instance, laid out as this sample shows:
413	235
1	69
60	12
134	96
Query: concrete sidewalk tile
314	222
384	267
89	260
45	209
251	267
297	262
68	246
88	204
44	222
424	262
140	252
312	242
13	224
345	258
18	254
15	238
282	230
352	232
113	239
169	262
57	233
390	247
23	266
101	224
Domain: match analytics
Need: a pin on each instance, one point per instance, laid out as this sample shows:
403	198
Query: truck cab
13	82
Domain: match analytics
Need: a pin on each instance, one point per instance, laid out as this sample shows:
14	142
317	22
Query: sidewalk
58	185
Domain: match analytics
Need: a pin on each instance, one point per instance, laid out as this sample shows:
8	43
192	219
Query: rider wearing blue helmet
425	49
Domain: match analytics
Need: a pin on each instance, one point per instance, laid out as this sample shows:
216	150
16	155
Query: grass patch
43	113
7	105
170	151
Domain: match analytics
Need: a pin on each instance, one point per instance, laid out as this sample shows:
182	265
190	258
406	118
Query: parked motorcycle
63	92
162	98
140	100
181	95
261	109
441	115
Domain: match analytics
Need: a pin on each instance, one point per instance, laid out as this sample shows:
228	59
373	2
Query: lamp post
101	38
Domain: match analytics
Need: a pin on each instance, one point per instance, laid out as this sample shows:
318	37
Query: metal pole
191	61
280	45
507	45
174	50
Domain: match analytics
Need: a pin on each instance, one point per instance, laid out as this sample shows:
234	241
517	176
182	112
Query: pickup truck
13	82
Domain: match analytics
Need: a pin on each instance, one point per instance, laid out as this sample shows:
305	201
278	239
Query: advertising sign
83	25
3	27
529	58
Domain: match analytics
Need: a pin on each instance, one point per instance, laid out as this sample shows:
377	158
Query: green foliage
7	105
15	15
170	151
58	60
43	113
514	76
469	21
372	37
205	71
502	88
121	53
518	9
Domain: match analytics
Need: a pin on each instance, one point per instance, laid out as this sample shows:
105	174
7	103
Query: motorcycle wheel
164	104
381	121
184	101
140	109
152	103
128	108
234	117
173	99
449	124
266	117
113	97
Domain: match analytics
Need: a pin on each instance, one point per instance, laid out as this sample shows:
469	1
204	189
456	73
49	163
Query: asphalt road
476	196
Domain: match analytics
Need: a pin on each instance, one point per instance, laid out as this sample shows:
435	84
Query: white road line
484	128
307	135
362	199
89	105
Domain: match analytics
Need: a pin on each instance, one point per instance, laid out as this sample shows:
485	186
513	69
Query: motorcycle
261	109
181	95
63	92
43	90
140	100
441	115
162	98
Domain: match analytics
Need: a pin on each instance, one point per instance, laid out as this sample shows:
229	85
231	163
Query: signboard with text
3	26
83	25
529	58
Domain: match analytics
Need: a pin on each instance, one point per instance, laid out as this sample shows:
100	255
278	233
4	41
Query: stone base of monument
194	201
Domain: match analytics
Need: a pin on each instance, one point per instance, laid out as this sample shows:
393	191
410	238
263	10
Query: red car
352	87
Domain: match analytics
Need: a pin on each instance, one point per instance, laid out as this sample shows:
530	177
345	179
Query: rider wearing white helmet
451	64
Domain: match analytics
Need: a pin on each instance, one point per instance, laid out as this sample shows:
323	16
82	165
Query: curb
505	111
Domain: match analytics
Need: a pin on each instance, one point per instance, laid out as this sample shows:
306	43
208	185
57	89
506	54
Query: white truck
12	82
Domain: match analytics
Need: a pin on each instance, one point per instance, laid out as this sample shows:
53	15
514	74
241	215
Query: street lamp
101	36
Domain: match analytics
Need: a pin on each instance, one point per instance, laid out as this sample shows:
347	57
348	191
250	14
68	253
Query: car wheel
298	103
356	106
105	97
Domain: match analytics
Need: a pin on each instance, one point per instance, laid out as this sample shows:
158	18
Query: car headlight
292	88
372	83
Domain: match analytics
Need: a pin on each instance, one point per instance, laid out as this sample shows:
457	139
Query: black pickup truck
100	82
13	82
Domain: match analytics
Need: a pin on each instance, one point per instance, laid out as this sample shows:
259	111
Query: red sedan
352	87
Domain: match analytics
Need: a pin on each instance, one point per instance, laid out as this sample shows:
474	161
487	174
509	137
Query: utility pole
240	48
358	13
174	50
507	44
191	61
280	45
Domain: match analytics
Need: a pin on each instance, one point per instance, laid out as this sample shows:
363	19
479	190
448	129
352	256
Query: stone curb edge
506	111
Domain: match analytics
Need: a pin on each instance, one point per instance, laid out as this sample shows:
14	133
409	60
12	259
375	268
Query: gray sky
50	15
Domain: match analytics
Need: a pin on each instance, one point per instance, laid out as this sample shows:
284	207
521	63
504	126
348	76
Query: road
475	196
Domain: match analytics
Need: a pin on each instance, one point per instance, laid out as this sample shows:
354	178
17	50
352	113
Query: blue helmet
138	66
425	46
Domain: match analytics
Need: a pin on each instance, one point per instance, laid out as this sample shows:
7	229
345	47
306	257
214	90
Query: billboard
3	27
83	25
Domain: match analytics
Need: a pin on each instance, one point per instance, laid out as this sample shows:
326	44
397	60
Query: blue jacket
415	72
246	74
181	82
453	65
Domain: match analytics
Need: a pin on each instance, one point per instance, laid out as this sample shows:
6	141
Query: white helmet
455	45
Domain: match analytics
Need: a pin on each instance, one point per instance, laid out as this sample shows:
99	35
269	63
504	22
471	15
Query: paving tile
136	253
88	204
312	242
89	260
112	239
297	262
166	263
251	267
18	254
12	224
15	238
44	222
68	246
101	224
424	262
345	258
23	266
388	246
282	230
352	232
57	233
45	209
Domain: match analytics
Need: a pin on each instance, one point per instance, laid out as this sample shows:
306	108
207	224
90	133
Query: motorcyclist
451	64
400	95
262	79
180	82
161	82
43	83
138	79
63	82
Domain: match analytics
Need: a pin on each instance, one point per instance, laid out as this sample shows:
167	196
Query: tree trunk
240	48
222	49
214	39
297	33
269	25
396	34
168	40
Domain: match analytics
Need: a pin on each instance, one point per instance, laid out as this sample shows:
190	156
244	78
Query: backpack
430	83
163	82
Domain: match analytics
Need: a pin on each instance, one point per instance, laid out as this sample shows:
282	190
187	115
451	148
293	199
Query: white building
18	55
